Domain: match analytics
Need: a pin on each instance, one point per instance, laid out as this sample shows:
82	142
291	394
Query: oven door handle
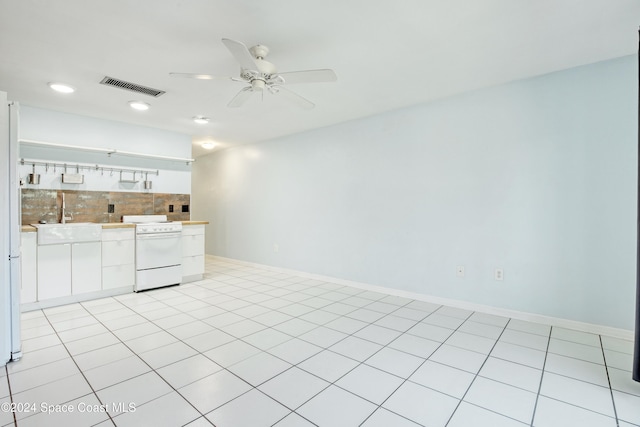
158	236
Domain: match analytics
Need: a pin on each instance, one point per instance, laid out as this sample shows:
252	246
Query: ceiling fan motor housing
265	67
261	74
259	51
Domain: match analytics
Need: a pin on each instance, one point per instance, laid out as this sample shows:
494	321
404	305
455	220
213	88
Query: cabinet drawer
118	276
193	245
192	265
85	267
118	234
189	230
118	252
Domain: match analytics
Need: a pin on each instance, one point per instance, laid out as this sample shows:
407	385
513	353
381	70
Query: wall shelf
108	151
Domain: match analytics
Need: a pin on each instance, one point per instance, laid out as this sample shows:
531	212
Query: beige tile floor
253	347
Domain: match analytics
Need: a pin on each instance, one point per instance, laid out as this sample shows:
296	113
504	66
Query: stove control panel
163	227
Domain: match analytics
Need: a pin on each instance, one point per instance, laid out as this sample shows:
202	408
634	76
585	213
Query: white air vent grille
133	87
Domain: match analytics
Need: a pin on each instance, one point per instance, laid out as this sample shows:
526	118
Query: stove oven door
158	250
158	260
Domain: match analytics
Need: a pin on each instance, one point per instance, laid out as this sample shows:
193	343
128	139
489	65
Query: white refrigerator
10	346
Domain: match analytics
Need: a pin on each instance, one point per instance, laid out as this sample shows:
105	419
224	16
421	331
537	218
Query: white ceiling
387	54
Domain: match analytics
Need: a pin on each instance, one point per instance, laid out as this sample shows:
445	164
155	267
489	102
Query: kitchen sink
51	234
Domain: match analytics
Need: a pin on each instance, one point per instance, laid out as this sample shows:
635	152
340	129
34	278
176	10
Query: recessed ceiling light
61	87
201	120
208	145
139	105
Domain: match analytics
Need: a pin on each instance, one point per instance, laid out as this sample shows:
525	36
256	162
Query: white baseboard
514	314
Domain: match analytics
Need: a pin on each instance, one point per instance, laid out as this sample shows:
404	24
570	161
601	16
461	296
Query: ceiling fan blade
309	76
241	53
200	76
241	97
293	97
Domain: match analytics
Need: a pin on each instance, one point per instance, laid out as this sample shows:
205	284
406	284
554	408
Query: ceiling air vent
133	87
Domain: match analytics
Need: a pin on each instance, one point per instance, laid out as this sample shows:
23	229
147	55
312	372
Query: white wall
70	129
537	177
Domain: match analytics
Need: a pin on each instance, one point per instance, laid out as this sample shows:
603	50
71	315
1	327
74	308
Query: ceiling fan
261	75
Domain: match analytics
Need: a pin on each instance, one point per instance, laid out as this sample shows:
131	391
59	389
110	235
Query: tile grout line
544	364
223	368
360	363
136	354
478	373
370	323
564	375
546	354
404	380
195	319
324	348
150	367
606	367
6	371
74	360
261	350
468	318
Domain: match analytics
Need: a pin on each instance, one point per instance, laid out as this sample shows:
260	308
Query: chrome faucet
64	213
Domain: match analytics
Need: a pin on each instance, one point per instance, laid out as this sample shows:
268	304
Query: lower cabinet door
54	271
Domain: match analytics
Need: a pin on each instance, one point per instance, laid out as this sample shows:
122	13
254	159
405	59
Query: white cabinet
54	271
118	258
68	269
85	267
192	252
28	266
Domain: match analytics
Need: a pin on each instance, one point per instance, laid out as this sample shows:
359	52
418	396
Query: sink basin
51	234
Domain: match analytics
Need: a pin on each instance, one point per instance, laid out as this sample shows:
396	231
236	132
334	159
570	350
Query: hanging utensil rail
87	167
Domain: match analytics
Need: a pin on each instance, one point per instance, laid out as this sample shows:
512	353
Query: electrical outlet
460	271
498	274
276	247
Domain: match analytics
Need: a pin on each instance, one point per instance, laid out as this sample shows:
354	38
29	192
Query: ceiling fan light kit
262	76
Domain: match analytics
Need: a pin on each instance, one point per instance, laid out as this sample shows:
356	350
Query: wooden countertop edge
111	225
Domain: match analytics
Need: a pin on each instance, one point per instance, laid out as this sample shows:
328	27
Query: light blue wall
537	177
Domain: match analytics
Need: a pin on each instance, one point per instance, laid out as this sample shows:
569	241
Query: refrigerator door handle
14	232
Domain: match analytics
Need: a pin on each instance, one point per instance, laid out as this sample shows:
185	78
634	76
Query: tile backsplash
101	206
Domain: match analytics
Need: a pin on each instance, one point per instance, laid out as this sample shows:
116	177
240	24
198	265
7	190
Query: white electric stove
158	251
